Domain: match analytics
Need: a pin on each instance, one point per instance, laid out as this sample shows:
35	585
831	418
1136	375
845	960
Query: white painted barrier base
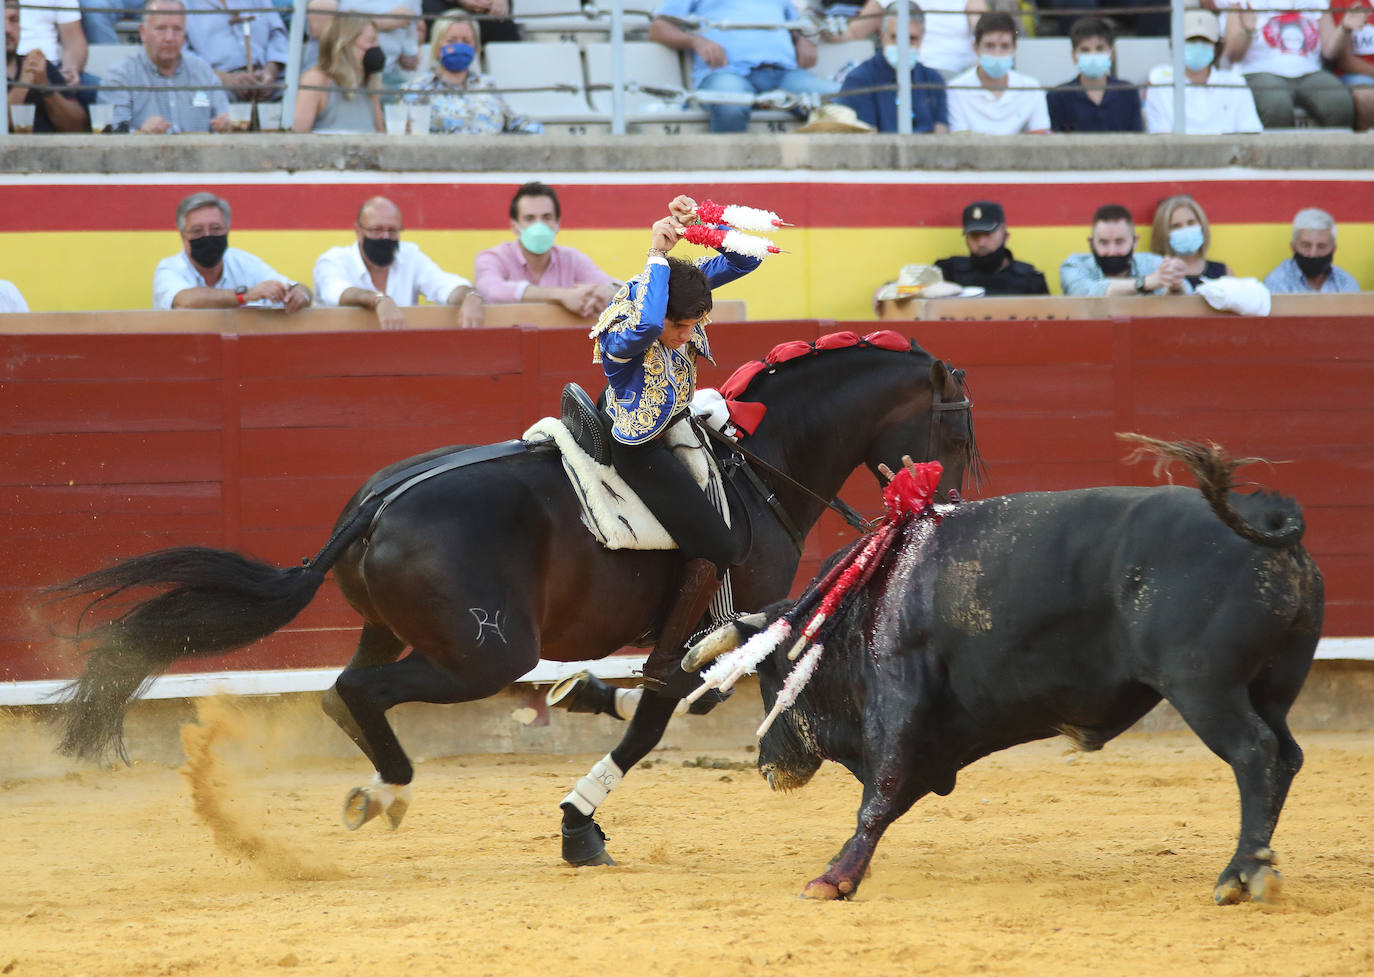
280	681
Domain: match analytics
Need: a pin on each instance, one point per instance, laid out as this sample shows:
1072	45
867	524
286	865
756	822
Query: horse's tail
214	601
1281	520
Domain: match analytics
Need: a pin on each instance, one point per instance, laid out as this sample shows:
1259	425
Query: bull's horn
725	638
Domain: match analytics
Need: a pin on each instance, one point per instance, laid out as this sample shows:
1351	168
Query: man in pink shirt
533	269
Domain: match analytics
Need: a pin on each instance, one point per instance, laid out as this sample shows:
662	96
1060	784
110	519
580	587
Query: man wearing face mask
381	272
208	274
1095	100
990	98
1216	101
929	112
1113	267
989	263
1310	269
534	269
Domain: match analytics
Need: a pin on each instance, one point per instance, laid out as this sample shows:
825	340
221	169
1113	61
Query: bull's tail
1282	524
213	601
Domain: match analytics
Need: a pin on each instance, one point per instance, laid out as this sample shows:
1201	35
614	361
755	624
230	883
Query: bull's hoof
364	803
825	889
585	845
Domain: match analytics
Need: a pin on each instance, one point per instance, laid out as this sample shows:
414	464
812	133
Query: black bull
1021	617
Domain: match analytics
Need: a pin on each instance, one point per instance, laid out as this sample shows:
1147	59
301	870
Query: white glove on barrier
1246	296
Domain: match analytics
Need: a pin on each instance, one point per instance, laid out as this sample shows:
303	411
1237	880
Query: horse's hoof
1230	892
359	808
1266	885
585	845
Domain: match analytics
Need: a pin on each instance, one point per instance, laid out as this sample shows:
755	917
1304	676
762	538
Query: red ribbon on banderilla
909	495
723	226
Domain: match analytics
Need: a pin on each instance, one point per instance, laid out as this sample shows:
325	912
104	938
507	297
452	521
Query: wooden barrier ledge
1043	307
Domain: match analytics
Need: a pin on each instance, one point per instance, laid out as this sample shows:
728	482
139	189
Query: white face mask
890	53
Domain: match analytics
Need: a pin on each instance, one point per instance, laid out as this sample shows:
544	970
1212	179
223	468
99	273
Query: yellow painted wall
831	272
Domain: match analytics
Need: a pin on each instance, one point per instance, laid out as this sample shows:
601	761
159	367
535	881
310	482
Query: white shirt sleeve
433	282
955	104
170	277
331	277
10	298
1039	117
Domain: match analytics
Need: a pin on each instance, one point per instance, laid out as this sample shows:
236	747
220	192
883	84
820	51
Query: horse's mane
799	349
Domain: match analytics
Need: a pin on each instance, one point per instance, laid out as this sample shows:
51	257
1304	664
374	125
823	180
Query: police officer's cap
983	216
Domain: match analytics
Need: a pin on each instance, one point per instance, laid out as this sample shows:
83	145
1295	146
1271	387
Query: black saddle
590	427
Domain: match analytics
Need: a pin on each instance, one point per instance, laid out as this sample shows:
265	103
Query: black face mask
988	263
1113	265
374	60
1313	267
381	251
208	250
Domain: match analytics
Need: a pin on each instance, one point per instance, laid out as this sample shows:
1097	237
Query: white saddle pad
611	510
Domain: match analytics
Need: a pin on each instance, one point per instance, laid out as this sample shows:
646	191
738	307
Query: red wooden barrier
118	444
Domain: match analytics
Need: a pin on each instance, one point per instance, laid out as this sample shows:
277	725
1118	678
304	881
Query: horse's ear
939	377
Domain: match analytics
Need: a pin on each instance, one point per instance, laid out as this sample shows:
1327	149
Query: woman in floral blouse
460	100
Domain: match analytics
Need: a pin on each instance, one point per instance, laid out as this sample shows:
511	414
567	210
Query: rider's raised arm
631	323
725	267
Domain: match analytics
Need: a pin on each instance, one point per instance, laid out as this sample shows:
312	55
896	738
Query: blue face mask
1186	240
995	66
1095	65
456	57
890	53
537	238
1198	54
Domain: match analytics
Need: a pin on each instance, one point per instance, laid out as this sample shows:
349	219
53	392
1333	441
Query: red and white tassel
730	668
731	240
744	218
796	681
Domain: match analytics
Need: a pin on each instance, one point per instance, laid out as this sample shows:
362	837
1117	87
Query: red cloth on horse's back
746	414
740	379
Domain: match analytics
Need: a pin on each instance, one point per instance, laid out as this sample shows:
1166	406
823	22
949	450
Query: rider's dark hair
689	296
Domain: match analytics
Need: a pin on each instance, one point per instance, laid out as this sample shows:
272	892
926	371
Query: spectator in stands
247	50
54	27
948	43
52	111
1216	102
929	112
989	263
10	298
739	62
1310	269
176	101
208	274
318	16
991	98
460	100
1280	54
398	34
100	26
1181	230
1096	100
534	269
349	59
381	272
1356	65
495	24
1111	266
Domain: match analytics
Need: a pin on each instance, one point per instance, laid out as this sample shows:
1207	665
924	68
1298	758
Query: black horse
485	569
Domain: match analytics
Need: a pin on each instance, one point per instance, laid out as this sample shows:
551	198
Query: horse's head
937	425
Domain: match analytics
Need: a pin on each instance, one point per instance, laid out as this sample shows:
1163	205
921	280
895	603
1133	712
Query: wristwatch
241	293
1140	286
379	297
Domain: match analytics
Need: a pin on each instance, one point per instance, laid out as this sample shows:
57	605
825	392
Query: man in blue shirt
1095	100
1310	268
1113	268
742	62
879	109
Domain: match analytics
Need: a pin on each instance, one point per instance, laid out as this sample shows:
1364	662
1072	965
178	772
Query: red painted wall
119	444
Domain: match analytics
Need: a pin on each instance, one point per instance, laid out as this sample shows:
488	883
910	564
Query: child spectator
991	98
1096	100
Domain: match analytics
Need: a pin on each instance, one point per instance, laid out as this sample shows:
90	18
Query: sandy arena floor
1042	862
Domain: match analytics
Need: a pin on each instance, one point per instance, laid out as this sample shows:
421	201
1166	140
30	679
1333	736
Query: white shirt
1288	43
178	273
38	28
411	275
948	42
1222	105
1020	107
10	299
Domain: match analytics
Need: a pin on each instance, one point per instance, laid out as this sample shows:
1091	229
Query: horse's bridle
838	505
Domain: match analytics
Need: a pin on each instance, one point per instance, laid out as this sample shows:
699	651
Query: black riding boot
699	584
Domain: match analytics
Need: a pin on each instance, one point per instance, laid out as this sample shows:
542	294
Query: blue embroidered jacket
650	383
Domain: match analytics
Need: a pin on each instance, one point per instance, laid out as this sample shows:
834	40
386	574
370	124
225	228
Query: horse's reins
847	512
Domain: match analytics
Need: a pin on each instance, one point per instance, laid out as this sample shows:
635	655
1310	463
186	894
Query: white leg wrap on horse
592	789
626	700
389	794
